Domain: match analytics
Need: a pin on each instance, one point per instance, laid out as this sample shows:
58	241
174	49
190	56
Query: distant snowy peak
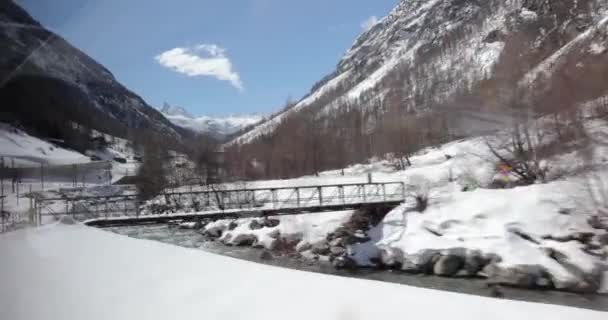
217	126
170	110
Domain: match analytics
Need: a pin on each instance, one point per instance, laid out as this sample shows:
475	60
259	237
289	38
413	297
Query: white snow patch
528	15
62	270
597	48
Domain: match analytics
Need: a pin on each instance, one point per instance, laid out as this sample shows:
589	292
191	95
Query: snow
75	272
597	48
528	15
308	228
215	125
552	63
484	220
27	150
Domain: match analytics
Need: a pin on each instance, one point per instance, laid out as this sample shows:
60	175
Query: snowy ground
92	274
25	150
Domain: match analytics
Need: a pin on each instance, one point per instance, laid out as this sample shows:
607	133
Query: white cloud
369	23
201	60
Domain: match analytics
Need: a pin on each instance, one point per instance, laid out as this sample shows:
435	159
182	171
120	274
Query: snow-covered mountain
428	53
217	126
41	72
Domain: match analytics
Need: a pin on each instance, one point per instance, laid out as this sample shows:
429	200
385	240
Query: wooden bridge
220	203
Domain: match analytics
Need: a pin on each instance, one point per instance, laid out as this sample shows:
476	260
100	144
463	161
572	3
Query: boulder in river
448	265
337	251
271	223
255	225
244	240
321	248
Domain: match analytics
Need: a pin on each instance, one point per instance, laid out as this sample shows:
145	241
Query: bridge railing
214	200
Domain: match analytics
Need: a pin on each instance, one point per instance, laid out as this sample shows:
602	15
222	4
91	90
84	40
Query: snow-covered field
75	272
24	150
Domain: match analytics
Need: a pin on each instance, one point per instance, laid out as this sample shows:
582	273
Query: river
192	239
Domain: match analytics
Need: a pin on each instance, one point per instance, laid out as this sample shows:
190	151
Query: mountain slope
428	53
43	76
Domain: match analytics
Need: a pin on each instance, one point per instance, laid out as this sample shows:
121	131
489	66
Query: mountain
169	110
433	71
46	84
430	53
220	127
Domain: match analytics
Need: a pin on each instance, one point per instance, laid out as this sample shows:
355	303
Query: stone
473	263
226	239
320	248
275	234
266	255
255	225
337	251
343	263
525	276
448	265
603	239
303	246
336	242
232	225
244	240
426	261
271	223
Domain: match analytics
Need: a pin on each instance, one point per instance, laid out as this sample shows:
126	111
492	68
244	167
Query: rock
244	240
473	263
214	232
603	239
226	239
189	225
525	276
270	223
266	255
336	242
426	261
448	265
232	225
343	263
320	248
303	246
275	234
337	251
255	225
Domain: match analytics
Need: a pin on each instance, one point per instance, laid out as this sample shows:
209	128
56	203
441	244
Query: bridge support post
403	190
298	197
274	198
252	202
341	188
384	192
320	191
364	193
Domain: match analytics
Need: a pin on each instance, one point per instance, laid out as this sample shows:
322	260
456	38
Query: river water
192	239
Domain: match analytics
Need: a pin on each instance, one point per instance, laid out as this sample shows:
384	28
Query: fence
19	182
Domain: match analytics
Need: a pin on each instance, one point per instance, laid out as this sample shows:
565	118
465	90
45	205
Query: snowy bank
75	272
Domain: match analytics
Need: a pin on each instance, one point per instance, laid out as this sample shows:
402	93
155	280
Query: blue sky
213	57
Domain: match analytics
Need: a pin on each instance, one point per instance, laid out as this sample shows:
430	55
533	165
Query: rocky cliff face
40	71
427	54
